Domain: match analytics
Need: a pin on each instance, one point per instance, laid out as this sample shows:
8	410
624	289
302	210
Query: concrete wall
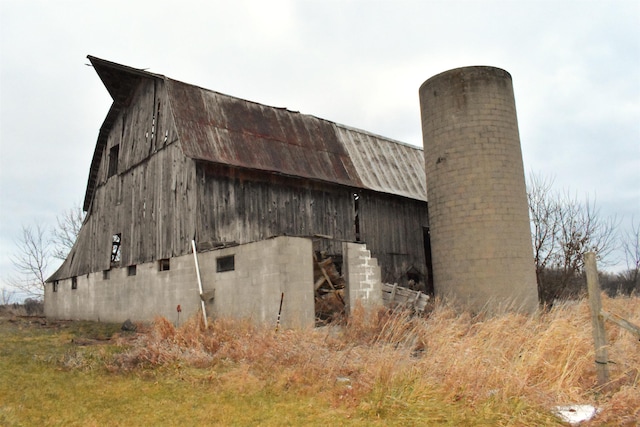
363	276
263	271
141	297
478	213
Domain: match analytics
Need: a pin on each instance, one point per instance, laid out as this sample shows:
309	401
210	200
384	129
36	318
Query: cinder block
479	186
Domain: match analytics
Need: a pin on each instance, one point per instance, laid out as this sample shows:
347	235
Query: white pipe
195	257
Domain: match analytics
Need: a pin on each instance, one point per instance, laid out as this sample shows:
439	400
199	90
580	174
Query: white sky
575	68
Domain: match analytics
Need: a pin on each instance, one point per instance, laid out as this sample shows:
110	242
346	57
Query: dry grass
381	362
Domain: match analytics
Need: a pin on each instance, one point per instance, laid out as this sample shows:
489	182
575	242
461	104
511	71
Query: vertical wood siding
149	201
245	206
392	227
160	199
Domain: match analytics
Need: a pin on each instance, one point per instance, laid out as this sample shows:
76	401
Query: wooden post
597	321
195	258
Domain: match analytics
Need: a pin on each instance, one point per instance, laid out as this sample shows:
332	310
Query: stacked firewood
329	289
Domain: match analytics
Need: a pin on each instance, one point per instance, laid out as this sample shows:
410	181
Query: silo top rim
469	71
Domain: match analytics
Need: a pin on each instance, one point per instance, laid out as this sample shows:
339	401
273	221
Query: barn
259	192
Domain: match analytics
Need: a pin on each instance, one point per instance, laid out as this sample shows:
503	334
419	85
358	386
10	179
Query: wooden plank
324	272
318	283
393	292
623	323
398	296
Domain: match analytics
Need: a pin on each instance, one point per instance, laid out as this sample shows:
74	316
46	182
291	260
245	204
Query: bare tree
36	249
6	296
543	209
631	247
64	235
31	261
563	230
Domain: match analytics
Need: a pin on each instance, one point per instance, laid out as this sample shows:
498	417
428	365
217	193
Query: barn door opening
426	236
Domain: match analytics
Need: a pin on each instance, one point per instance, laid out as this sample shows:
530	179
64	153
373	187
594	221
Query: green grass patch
448	369
47	378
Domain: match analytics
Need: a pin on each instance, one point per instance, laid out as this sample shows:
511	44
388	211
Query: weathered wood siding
148	200
245	206
392	228
158	199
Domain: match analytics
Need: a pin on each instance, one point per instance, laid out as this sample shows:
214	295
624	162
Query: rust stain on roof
222	129
218	128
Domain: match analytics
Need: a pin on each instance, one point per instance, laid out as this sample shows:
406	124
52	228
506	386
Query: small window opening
164	264
55	286
106	274
113	160
132	270
116	241
225	263
74	282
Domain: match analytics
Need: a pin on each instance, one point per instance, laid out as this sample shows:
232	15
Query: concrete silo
478	213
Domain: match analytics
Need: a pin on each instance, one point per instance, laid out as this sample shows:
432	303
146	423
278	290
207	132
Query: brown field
381	368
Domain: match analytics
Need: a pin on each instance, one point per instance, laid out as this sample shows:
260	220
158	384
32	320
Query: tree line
563	229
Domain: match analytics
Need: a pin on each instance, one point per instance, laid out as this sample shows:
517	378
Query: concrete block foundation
245	281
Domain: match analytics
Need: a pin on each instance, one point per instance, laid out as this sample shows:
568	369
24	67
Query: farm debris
398	297
329	289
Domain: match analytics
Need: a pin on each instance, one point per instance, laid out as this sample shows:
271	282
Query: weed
379	368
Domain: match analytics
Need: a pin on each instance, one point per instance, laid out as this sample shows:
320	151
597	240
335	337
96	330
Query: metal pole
279	312
195	258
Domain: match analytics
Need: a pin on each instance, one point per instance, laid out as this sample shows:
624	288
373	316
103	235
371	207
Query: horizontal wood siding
392	228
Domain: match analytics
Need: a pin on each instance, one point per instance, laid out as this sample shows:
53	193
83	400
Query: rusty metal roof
223	129
218	128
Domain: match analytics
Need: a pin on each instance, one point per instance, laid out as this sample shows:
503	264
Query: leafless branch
6	296
563	230
63	237
31	261
631	248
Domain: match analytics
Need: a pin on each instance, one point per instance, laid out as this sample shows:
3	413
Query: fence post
597	321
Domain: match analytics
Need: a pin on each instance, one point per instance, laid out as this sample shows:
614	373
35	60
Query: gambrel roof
218	128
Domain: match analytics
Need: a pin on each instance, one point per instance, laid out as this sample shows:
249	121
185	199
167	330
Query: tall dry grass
544	360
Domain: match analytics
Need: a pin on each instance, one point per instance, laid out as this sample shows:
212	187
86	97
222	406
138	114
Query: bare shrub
34	307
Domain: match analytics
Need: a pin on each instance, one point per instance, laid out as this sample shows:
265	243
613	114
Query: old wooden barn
175	162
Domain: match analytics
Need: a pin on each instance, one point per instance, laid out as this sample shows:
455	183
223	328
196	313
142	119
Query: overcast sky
575	68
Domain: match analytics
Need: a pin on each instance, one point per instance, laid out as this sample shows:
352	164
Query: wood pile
329	289
398	297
